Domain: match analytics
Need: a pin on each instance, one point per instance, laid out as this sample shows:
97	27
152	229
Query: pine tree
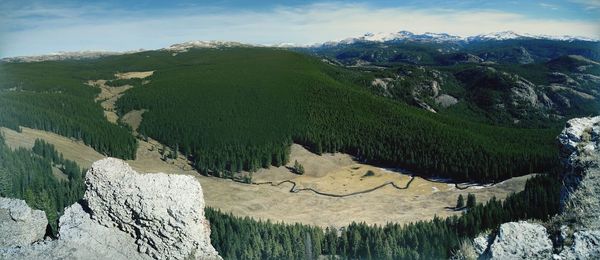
175	152
460	202
298	168
471	201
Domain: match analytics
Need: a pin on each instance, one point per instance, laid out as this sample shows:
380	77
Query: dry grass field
107	97
133	118
134	74
333	173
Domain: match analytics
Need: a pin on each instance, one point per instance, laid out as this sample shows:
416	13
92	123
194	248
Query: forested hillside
237	109
232	109
29	175
523	82
52	96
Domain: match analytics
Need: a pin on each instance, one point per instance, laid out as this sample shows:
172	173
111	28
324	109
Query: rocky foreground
576	231
124	215
19	224
128	215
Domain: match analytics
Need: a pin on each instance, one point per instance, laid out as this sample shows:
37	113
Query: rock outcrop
580	217
128	215
165	213
521	240
579	220
19	224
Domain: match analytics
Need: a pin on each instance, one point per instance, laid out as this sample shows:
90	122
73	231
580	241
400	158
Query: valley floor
330	173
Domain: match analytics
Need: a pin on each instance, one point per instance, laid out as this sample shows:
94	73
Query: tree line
28	175
53	96
70	117
245	238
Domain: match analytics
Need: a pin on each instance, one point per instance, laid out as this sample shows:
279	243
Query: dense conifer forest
232	109
240	108
27	174
245	238
52	96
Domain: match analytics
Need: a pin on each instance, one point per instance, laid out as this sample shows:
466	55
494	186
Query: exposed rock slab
127	215
580	152
19	224
586	244
579	139
165	213
521	240
80	238
579	220
481	244
446	100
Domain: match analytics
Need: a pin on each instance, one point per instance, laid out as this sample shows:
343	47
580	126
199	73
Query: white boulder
19	224
128	215
521	240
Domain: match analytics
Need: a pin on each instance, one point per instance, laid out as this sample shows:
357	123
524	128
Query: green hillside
232	109
52	96
240	108
28	175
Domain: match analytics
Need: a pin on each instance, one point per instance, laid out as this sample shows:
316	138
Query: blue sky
39	27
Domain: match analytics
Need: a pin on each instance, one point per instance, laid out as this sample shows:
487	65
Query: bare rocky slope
124	215
576	230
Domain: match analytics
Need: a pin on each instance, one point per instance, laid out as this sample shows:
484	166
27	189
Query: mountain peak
445	37
503	35
185	46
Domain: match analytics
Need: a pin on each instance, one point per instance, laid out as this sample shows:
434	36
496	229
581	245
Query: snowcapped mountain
510	35
498	36
406	35
185	46
396	36
445	38
380	37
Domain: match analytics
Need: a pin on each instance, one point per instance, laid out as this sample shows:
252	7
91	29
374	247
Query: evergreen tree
471	201
298	168
460	202
28	175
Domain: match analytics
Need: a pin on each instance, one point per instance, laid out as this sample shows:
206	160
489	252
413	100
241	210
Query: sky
34	27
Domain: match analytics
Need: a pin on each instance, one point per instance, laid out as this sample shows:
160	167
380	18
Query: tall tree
460	202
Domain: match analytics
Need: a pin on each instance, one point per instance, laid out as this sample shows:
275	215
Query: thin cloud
549	6
588	4
98	29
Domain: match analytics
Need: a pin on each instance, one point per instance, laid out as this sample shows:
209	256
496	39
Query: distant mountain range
503	77
444	37
401	36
